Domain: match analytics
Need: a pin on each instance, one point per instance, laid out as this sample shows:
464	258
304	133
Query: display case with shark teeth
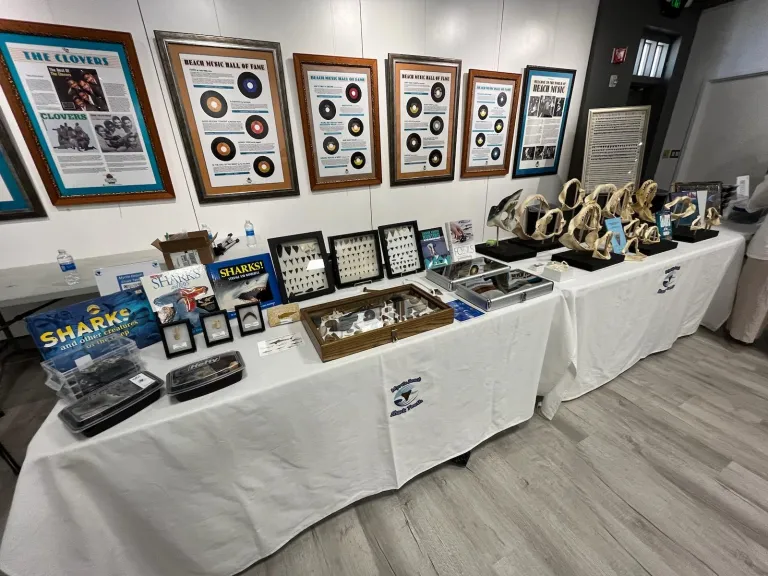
400	245
356	258
302	266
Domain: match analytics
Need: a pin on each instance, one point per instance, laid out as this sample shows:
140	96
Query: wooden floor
663	471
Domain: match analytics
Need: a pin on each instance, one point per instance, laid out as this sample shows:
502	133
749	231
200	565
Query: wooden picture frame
491	119
69	56
430	74
352	85
255	159
337	256
292	266
530	108
386	252
18	198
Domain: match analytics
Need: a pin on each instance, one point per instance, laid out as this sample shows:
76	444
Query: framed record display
339	101
230	103
489	118
18	198
543	116
423	103
78	96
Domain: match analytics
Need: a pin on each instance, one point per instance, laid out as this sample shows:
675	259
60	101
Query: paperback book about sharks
244	280
181	294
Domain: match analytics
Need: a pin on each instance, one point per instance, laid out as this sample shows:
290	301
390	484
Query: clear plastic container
96	366
112	404
205	376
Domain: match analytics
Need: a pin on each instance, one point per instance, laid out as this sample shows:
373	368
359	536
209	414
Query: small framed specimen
18	198
401	246
422	105
356	258
249	318
489	118
78	96
230	102
178	338
339	102
543	116
302	267
216	329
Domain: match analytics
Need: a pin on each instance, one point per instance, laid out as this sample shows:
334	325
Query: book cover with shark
180	294
244	280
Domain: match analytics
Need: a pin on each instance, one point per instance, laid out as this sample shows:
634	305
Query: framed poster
80	101
18	198
489	117
339	101
543	116
230	102
423	104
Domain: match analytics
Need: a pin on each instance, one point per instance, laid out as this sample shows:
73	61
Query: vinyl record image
331	145
263	166
495	153
436	126
354	93
414	107
438	91
223	148
498	125
501	99
482	112
327	109
413	142
249	84
435	157
256	126
480	139
358	160
213	104
355	127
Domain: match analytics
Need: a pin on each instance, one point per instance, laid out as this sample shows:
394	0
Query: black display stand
658	247
584	260
685	234
506	251
539	245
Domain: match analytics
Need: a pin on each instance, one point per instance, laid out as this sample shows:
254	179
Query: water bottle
250	236
210	235
67	265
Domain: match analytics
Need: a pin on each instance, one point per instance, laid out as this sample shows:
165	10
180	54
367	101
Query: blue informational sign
619	239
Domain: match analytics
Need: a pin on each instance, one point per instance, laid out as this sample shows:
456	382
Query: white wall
502	35
730	41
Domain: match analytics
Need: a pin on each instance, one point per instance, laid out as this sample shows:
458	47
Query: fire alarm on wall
619	55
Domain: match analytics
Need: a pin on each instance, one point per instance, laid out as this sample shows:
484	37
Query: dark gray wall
622	23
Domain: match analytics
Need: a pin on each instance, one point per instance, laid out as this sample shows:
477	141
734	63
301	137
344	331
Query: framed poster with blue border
18	198
543	116
80	101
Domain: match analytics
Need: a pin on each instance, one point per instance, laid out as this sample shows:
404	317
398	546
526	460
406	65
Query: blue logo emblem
668	283
406	395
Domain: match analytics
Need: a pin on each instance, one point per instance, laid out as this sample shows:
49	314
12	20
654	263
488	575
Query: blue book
244	280
664	224
463	311
87	324
619	239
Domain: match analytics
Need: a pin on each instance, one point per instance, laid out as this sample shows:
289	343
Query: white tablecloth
209	486
625	312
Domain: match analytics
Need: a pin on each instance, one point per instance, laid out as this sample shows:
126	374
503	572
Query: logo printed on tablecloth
668	283
405	396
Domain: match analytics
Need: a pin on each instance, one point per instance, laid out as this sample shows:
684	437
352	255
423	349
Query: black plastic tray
205	376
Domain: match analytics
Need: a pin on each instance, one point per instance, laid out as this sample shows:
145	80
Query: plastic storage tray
205	376
97	366
112	404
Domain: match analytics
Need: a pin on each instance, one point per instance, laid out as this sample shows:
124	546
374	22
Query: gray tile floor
663	471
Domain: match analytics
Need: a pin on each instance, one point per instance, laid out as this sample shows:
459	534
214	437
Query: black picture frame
25	202
523	106
275	250
225	315
169	353
385	250
248	331
335	259
392	110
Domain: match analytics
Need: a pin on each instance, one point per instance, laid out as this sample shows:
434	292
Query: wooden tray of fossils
377	317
